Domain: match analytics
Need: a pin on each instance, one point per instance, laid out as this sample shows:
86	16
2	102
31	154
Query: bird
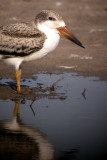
27	41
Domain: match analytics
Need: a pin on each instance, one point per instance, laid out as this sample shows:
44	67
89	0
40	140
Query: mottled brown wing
20	39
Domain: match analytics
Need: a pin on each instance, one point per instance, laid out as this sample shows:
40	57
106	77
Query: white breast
50	44
52	39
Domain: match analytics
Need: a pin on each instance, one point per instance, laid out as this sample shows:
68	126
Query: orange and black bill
66	33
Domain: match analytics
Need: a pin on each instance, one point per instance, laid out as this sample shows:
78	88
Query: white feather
14	61
50	44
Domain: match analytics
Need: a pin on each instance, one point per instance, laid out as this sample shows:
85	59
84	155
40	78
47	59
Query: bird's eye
51	18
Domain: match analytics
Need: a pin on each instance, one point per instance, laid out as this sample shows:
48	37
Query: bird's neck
52	37
47	31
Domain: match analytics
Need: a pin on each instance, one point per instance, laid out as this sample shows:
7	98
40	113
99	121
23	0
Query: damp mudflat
63	118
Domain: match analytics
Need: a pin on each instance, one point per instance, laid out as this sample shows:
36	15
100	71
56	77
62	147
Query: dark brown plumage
20	39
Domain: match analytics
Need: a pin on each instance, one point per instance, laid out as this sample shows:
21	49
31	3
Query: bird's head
51	20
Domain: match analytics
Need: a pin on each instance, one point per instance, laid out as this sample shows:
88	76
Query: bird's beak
66	33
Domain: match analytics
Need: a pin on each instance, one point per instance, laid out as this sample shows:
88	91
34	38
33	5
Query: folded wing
20	39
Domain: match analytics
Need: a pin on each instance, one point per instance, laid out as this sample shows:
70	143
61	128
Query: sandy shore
85	18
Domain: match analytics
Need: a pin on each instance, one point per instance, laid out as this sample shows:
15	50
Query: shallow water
72	124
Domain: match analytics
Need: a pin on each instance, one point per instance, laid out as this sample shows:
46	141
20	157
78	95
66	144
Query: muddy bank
42	86
33	94
86	19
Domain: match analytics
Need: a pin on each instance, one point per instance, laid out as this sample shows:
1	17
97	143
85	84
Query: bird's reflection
28	140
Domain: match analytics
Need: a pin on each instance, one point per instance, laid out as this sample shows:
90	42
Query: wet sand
85	18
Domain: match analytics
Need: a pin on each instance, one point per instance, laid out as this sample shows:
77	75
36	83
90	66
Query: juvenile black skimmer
22	42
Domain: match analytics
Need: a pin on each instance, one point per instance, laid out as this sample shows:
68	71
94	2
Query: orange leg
18	77
16	109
